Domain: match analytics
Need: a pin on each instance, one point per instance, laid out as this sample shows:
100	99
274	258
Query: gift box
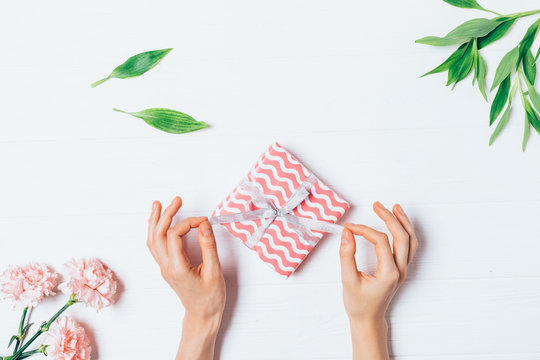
280	210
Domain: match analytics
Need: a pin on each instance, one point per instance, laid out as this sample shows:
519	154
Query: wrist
207	326
371	324
198	337
369	339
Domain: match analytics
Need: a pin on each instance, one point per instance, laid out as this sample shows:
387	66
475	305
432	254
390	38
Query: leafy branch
516	68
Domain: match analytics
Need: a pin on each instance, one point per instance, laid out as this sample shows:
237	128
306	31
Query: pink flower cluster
90	281
87	280
27	285
67	340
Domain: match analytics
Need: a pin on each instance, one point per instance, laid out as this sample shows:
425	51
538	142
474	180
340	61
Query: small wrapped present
280	210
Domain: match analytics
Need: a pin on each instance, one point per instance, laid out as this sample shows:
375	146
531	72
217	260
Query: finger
175	243
183	227
159	237
166	218
152	222
347	249
210	258
154	218
157	259
407	225
400	237
385	259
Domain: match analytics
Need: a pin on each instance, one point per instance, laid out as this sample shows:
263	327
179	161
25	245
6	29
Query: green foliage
474	28
526	134
480	73
517	66
456	55
466	4
440	41
167	120
502	123
505	68
136	65
460	69
500	100
171	121
496	34
529	67
528	39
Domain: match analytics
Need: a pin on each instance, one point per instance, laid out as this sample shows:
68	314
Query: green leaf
476	55
496	34
466	4
460	69
480	74
533	95
500	100
526	133
528	39
502	123
136	65
455	56
529	67
25	329
531	114
13	338
171	121
475	67
473	28
537	54
439	41
505	67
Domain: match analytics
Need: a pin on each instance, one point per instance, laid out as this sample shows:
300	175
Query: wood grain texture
336	83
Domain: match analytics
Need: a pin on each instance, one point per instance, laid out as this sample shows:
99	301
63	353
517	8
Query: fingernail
175	200
379	205
400	210
206	228
154	206
345	237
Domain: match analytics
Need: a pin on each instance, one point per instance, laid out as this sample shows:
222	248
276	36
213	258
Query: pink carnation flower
27	285
90	281
67	340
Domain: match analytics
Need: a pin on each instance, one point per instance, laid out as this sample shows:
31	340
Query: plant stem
518	80
23	355
23	317
99	82
20	334
524	14
513	89
44	327
526	133
493	12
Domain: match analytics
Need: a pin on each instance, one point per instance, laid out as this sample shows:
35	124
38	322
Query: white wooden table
336	83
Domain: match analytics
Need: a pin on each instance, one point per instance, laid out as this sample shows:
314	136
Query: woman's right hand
201	288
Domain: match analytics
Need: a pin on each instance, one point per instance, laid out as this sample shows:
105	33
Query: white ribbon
268	212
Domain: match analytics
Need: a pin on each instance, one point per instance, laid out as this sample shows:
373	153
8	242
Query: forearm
198	338
369	340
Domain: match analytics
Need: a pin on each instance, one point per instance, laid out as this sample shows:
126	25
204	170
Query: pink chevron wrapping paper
278	174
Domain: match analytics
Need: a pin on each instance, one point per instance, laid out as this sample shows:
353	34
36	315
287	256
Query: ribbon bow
268	212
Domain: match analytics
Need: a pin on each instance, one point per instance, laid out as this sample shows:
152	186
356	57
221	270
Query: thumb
207	241
349	271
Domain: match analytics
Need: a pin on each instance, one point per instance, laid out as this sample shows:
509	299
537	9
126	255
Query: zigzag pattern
278	174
